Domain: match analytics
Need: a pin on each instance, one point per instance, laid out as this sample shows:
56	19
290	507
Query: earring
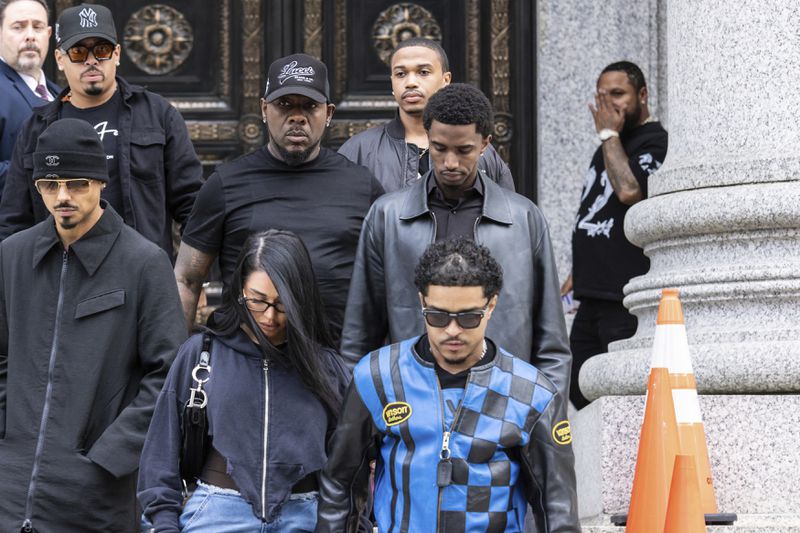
327	123
117	63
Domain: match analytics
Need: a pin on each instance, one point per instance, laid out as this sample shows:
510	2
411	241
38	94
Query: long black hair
284	258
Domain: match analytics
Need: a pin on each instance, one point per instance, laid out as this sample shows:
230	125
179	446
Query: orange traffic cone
655	460
684	512
670	341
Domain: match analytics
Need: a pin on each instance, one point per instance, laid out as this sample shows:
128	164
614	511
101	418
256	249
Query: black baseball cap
298	74
86	20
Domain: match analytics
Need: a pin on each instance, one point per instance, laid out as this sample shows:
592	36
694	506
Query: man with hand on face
465	434
90	321
455	200
633	146
154	173
398	152
24	40
292	183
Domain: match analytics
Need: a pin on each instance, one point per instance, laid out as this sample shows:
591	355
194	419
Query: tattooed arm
191	270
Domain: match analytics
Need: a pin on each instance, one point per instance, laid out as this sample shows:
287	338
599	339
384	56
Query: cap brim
75	39
296	89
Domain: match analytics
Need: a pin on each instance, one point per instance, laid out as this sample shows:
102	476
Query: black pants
597	323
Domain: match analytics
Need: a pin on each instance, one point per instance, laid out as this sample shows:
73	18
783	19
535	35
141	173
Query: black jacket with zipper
159	171
243	392
384	151
86	338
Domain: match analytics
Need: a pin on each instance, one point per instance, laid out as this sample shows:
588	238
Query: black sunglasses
102	51
465	319
260	306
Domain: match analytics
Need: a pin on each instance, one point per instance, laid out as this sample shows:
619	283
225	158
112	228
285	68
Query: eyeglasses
74	186
260	306
101	51
464	319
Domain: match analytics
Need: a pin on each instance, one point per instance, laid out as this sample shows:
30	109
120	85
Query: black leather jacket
528	320
384	151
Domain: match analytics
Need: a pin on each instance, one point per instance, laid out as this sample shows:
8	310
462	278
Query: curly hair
634	73
458	262
425	43
459	104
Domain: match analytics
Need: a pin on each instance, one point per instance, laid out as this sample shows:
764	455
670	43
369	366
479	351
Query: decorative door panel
209	58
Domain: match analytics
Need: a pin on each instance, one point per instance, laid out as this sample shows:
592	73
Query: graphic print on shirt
593	229
603	227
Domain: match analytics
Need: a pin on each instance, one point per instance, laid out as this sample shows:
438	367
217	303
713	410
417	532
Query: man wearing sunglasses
465	434
454	199
154	173
90	320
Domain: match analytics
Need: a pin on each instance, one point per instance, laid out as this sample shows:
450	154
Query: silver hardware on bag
200	374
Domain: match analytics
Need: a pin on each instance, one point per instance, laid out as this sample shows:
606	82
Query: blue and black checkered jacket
510	447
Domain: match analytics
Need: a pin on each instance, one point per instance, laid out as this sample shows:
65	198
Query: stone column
722	224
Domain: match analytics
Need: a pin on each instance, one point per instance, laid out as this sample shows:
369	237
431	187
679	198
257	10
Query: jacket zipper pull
27	526
444	470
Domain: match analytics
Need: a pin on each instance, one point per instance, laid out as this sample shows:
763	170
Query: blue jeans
214	510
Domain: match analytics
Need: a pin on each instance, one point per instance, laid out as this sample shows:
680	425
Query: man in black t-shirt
292	183
154	173
633	147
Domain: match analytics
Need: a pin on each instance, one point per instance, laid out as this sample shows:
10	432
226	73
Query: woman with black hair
274	391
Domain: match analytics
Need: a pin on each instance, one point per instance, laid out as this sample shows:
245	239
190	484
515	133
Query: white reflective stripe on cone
687	406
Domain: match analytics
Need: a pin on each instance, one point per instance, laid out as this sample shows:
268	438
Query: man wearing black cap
292	183
154	173
90	320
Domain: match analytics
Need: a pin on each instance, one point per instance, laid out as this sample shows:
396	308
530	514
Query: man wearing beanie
292	183
90	321
154	173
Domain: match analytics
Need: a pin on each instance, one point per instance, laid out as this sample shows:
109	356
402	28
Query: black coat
384	303
159	171
86	340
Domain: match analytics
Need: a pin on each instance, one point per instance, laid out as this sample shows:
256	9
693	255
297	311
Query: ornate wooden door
209	58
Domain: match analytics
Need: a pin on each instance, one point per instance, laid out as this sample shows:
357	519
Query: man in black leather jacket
397	153
452	200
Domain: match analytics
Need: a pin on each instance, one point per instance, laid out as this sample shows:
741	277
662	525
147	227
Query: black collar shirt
455	218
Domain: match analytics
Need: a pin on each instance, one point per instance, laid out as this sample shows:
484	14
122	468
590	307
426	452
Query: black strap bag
195	442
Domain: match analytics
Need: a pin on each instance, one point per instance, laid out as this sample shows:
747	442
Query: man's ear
421	299
485	143
643	95
447	77
491	305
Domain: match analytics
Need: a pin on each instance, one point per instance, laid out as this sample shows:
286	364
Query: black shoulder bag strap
194	422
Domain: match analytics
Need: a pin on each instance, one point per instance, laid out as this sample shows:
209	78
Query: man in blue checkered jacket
465	434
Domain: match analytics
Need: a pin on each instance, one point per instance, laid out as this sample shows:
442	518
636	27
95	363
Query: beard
27	64
632	118
293	158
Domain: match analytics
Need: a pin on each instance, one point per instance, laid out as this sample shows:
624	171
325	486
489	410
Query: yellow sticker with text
562	433
396	413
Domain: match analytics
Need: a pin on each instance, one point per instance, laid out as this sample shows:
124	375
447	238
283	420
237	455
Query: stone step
744	524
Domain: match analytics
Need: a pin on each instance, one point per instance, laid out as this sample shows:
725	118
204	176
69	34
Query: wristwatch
606	133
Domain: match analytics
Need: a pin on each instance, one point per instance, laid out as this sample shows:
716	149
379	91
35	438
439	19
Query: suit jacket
15	108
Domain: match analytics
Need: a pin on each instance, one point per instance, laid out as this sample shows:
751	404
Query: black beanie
70	148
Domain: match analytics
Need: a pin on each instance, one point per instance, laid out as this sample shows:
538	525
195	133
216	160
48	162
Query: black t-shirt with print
323	201
105	120
603	260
